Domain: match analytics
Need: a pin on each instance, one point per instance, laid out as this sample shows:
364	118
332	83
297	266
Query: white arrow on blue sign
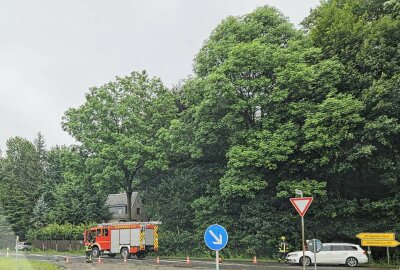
216	237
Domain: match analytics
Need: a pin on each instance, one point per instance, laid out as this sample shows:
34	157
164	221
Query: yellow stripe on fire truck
141	239
155	234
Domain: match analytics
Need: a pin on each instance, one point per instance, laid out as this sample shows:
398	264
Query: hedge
59	232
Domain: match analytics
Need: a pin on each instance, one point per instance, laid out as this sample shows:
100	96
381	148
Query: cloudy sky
52	51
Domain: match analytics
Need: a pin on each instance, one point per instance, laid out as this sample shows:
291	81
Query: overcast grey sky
52	51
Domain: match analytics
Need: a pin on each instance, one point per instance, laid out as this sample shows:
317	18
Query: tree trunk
129	202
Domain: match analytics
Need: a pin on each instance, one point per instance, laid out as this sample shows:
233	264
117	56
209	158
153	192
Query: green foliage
264	24
59	232
178	244
362	34
78	199
310	188
117	126
41	187
271	109
20	178
40	213
7	236
317	113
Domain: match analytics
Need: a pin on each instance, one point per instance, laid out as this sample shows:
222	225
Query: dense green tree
40	213
7	236
78	199
117	125
362	34
39	187
271	113
238	118
20	181
270	109
264	24
54	172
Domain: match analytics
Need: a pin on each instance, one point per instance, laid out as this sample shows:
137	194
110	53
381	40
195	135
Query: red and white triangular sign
301	204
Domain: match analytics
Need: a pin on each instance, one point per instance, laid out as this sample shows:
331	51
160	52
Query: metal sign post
315	246
16	250
303	241
388	255
315	256
369	255
301	205
216	238
217	260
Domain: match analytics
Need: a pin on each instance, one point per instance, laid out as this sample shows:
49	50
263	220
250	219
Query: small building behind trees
118	207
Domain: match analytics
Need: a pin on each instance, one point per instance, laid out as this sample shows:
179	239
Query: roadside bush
172	243
59	232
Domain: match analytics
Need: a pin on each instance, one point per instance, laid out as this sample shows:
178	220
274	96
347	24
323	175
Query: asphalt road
78	262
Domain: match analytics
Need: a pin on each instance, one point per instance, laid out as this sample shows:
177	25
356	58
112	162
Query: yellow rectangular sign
376	236
379	243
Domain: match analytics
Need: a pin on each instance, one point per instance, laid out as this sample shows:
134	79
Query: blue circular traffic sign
216	237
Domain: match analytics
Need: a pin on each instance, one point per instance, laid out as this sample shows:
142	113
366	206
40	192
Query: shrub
59	232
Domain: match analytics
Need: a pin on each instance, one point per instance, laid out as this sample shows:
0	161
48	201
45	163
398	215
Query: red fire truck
125	238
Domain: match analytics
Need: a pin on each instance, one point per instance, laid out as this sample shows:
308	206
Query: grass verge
24	264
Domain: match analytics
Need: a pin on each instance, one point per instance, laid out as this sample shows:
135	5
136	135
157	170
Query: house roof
120	199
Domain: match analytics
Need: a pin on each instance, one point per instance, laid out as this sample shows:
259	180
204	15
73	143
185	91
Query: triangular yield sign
301	204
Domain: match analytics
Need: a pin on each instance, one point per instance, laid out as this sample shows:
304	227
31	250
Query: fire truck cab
126	238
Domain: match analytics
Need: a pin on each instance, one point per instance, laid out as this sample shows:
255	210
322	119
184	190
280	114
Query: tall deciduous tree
118	124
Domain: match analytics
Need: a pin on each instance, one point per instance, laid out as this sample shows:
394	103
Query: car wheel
125	253
307	261
352	262
95	252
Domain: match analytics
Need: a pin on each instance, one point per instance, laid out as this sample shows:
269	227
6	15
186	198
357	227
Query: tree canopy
118	125
270	109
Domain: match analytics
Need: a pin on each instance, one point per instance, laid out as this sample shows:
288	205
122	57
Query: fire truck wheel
140	255
125	253
95	252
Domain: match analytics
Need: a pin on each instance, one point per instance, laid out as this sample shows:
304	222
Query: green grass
24	264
